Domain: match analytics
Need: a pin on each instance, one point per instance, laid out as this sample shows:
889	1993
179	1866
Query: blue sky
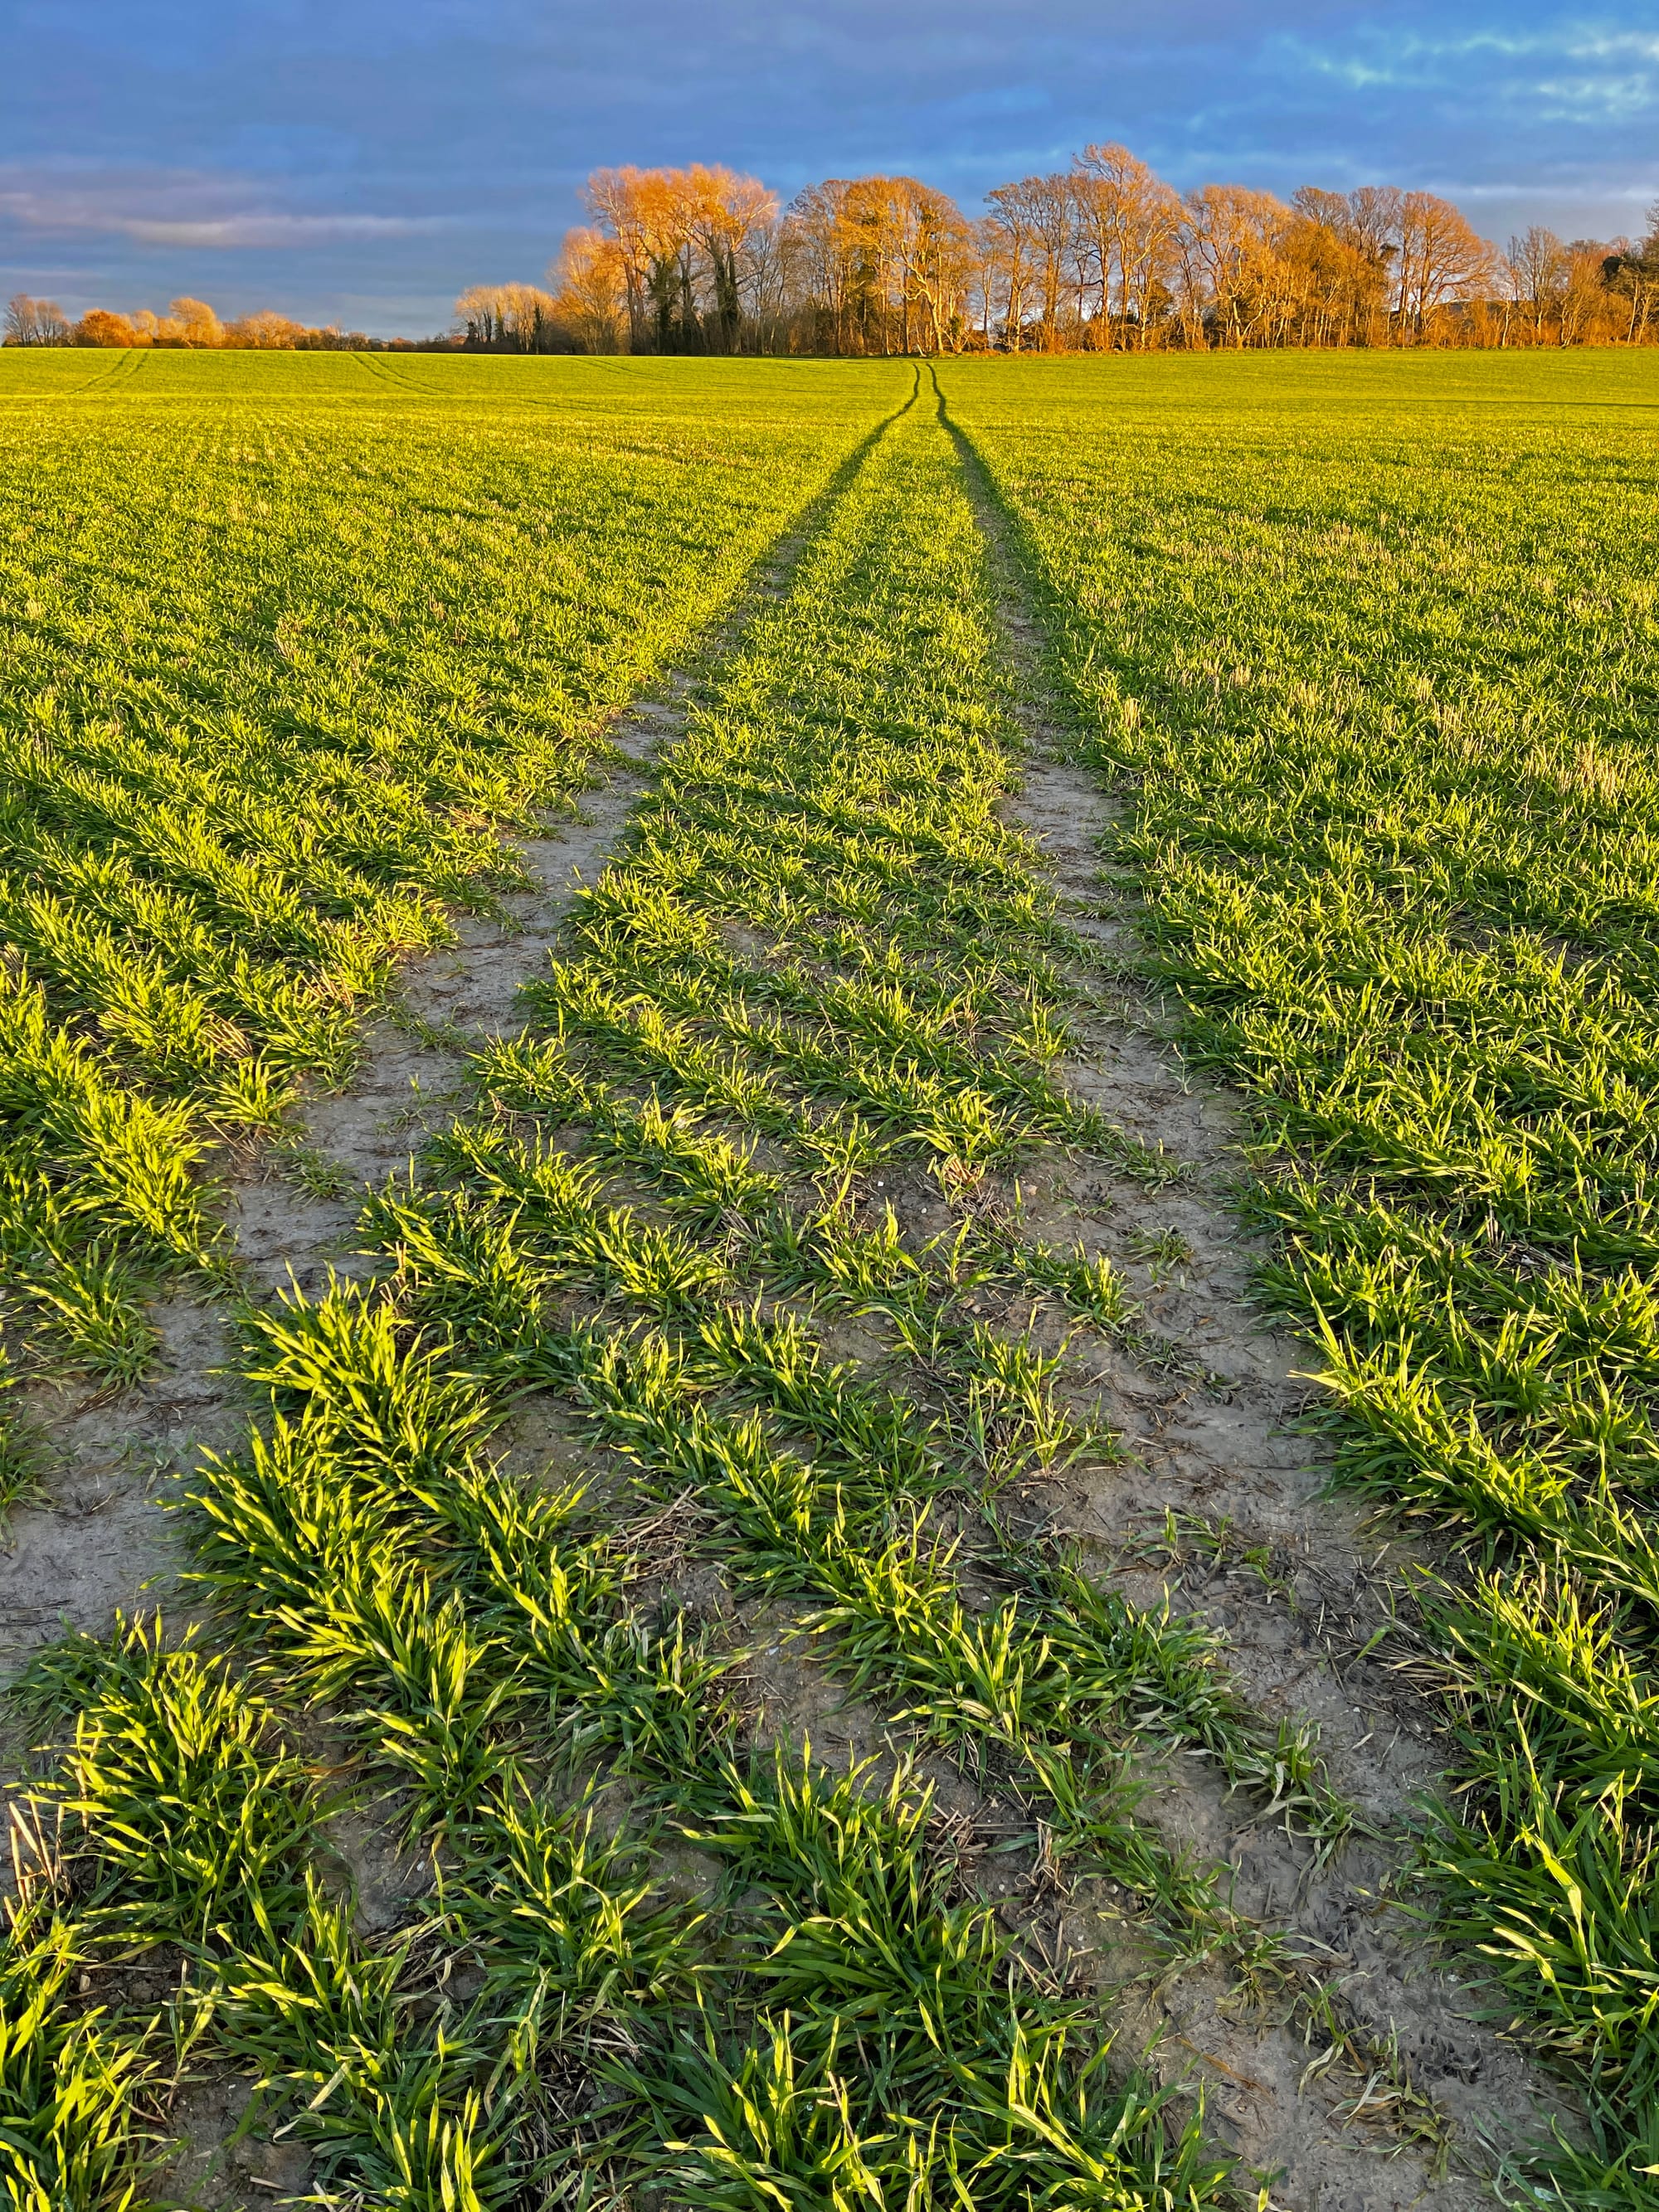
361	161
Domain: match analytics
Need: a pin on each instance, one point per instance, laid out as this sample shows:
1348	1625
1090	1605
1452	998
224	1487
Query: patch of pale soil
235	2157
98	1536
409	1081
385	1875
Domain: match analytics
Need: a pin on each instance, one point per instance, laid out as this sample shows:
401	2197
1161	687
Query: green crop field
689	1541
286	643
1370	652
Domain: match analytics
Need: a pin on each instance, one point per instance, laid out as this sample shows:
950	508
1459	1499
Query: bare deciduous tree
1128	232
1439	258
36	322
511	318
589	292
1231	275
1536	265
690	246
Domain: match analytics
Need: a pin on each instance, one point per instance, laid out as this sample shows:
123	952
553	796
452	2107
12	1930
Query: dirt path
1365	2078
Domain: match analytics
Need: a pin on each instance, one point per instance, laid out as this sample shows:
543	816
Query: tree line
189	324
1101	255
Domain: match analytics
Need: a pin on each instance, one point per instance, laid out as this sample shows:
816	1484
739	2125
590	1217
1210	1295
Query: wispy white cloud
274	230
1602	193
1573	41
173	208
1590	98
1563	72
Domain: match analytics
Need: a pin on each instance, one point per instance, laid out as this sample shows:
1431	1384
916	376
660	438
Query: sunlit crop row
1368	652
735	1222
821	955
284	645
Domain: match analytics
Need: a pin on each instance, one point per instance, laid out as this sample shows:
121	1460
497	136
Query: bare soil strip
98	1540
1402	2070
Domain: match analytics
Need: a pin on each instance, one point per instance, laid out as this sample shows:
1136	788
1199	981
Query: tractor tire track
97	1537
1297	1582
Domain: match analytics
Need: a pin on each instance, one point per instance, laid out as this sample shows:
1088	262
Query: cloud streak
273	231
1568	72
115	209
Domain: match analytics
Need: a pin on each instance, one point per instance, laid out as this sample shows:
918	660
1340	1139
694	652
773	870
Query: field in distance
778	1633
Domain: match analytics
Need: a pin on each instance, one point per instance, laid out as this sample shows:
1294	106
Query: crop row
273	683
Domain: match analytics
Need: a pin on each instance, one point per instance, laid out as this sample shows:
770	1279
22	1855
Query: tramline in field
288	643
805	1800
1370	651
